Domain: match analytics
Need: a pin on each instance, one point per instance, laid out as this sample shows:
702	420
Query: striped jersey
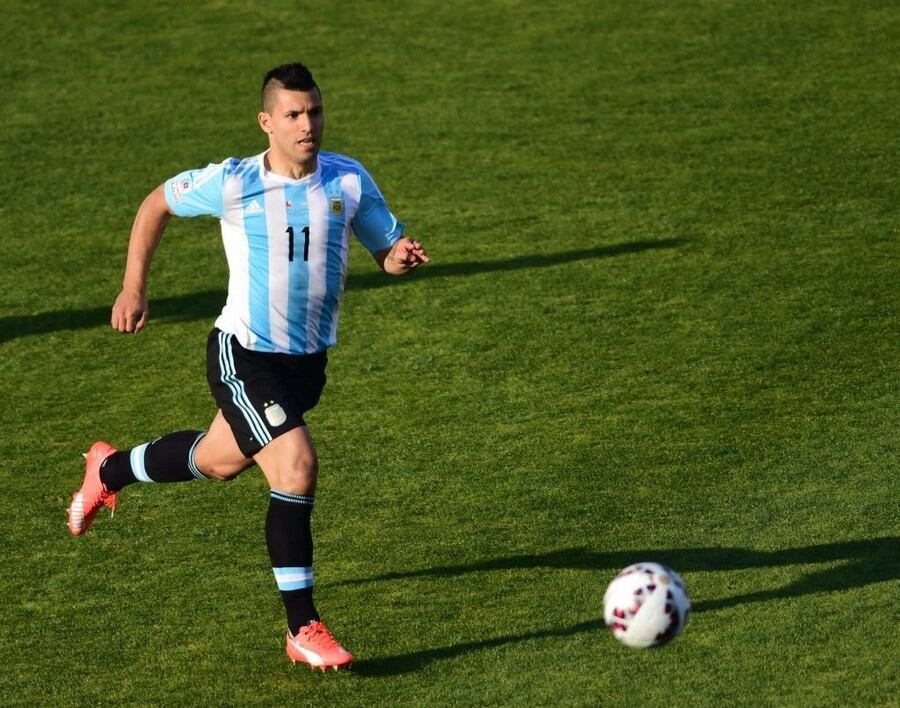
286	241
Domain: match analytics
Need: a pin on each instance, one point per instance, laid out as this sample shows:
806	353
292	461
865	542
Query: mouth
307	142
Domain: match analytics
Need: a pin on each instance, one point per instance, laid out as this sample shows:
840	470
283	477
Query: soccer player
286	216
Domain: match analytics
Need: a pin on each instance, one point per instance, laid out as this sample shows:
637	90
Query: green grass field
661	323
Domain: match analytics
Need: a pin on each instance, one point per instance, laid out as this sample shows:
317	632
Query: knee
223	471
301	476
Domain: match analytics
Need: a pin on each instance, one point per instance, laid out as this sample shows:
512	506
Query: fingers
412	253
139	325
119	321
419	252
130	323
129	315
134	322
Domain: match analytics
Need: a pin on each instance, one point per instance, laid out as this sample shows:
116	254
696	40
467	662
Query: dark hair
295	77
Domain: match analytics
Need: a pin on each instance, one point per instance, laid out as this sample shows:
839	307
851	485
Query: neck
288	168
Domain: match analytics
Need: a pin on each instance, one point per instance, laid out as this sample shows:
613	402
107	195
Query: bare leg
218	455
289	462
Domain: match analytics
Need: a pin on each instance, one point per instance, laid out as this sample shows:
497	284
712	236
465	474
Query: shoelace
318	633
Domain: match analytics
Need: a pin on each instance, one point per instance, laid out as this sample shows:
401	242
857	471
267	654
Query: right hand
130	312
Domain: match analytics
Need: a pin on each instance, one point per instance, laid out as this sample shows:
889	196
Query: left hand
405	255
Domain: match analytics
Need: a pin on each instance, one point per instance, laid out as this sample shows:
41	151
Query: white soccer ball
646	605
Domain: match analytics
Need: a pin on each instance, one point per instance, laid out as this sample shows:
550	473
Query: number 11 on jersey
290	233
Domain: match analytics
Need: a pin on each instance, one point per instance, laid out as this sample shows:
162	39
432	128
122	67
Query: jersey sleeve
374	224
197	192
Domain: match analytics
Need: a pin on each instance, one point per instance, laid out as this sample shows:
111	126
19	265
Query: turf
660	324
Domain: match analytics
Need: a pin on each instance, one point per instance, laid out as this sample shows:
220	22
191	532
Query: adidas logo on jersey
253	207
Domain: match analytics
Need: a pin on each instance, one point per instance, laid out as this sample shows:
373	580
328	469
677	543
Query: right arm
129	312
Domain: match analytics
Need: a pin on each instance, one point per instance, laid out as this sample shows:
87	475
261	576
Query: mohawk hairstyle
295	77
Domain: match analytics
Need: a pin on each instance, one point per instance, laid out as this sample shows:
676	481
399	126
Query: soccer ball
646	605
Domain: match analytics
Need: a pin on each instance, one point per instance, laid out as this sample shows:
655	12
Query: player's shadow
206	304
377	279
866	562
416	660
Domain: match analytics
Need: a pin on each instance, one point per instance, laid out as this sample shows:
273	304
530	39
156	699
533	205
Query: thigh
218	454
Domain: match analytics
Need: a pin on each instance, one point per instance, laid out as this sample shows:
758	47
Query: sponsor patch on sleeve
180	187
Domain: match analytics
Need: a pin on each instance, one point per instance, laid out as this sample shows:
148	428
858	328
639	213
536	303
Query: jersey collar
274	177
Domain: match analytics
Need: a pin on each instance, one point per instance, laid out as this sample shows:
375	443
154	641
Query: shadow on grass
208	303
416	660
377	279
871	561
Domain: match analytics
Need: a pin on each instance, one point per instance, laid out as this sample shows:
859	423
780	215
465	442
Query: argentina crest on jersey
337	206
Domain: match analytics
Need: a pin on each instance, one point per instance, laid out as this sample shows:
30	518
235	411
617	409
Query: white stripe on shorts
238	393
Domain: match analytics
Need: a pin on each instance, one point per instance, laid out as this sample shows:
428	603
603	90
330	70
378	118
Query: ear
264	119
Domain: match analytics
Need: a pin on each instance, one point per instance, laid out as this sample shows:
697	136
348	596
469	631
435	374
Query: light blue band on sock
192	464
294	578
137	463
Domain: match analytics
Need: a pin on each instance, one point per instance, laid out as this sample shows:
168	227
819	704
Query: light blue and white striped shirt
286	242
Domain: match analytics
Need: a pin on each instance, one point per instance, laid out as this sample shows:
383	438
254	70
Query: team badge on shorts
275	414
337	206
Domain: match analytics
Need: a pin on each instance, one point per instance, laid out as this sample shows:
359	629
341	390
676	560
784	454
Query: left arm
403	257
377	228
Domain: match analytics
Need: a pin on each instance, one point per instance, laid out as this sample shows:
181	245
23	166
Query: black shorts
262	395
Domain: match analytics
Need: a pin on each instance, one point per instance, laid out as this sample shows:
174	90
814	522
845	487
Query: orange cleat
314	645
86	502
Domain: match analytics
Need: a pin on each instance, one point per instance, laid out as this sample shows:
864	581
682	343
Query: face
295	121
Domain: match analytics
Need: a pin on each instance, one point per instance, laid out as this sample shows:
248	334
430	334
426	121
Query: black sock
166	459
289	539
